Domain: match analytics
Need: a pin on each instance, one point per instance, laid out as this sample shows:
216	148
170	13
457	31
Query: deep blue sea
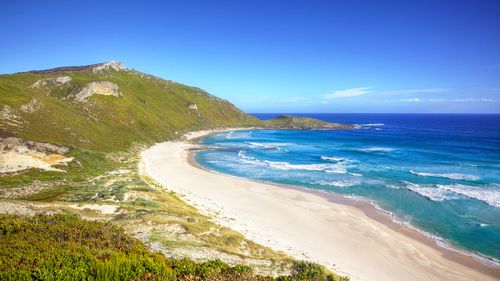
438	172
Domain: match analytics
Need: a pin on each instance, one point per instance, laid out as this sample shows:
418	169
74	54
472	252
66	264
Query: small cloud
463	100
411	100
347	93
417	91
447	100
436	100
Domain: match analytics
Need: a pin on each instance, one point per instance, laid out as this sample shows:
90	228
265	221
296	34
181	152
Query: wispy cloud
415	91
416	100
411	100
347	93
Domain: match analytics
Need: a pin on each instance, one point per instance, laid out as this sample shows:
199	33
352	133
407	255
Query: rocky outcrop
194	108
55	81
17	154
9	116
85	68
110	65
12	143
104	88
32	106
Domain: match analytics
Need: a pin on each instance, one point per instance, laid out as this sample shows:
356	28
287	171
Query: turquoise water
440	173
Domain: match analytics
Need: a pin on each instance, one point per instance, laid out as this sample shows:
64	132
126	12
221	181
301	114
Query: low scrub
64	247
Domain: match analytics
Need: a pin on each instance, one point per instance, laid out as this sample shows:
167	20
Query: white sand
103	209
302	224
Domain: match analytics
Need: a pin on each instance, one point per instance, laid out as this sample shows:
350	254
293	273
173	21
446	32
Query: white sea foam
269	146
438	240
373	124
453	176
332	158
440	192
328	168
334	183
432	193
239	135
376	149
490	194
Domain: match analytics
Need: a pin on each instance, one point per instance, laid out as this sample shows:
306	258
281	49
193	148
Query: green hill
70	143
76	106
303	123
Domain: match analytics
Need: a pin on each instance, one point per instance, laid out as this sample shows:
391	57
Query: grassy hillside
106	118
149	110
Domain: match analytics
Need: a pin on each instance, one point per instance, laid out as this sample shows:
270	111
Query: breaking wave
328	168
453	176
376	149
332	158
440	192
373	124
335	183
239	135
269	146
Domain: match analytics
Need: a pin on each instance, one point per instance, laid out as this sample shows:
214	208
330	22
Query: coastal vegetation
64	247
302	123
70	140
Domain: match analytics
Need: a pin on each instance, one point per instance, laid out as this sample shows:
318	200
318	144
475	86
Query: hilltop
107	107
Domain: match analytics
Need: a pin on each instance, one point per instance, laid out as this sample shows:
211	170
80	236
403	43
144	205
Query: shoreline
474	260
359	213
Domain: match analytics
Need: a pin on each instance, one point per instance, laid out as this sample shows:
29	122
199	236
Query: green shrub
64	247
304	270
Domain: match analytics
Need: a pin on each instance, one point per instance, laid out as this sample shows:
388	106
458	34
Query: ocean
439	173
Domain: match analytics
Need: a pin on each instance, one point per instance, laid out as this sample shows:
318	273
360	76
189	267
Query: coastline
364	239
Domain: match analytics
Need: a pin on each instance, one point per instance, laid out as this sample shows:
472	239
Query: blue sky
278	56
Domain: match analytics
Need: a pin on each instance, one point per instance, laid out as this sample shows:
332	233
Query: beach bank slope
302	224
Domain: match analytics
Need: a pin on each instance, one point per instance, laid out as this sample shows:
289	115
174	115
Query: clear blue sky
278	56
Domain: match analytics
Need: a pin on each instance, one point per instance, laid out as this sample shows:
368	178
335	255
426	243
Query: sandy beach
349	236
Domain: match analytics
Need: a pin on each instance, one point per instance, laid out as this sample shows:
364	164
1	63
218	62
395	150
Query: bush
64	247
304	270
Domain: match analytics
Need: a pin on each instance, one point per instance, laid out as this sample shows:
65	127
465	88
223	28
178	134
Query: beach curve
306	225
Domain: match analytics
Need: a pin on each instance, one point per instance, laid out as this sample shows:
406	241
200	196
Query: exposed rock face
8	116
194	108
14	143
114	65
98	88
85	68
56	81
32	106
17	154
